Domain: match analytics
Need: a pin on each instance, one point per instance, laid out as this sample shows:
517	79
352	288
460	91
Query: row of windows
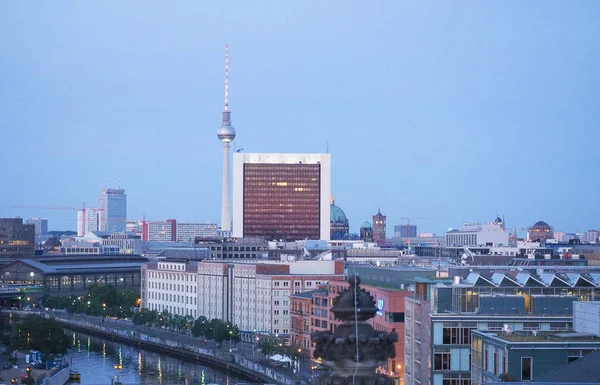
173	298
173	277
457	335
319	323
171	286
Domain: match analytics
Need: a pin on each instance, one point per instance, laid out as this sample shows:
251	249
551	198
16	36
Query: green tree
200	326
220	331
144	317
268	346
41	334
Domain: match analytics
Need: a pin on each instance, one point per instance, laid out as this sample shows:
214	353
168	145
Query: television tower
226	134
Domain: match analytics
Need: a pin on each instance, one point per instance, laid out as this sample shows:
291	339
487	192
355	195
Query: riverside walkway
241	358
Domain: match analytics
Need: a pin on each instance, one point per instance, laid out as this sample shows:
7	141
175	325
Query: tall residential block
281	196
113	204
88	220
17	240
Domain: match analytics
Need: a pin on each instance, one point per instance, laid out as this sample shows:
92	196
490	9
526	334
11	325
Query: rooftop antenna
118	182
328	147
105	182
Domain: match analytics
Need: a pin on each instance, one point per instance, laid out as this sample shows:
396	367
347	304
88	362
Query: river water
95	358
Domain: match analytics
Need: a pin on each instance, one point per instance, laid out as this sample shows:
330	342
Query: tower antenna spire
226	76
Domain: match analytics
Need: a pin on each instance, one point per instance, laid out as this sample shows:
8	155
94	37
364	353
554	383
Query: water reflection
102	359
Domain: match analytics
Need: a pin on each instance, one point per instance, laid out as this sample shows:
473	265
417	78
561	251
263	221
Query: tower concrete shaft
225	218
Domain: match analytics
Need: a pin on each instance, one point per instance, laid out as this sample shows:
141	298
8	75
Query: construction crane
82	209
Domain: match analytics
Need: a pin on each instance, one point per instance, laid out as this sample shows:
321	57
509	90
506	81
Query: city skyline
456	119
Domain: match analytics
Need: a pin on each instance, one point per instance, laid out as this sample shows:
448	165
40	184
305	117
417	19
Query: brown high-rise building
281	196
379	228
16	239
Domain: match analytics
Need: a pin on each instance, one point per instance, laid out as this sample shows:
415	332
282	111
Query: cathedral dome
366	225
541	225
337	214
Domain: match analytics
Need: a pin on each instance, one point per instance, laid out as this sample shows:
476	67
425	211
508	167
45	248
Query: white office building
171	286
157	231
281	196
188	231
478	234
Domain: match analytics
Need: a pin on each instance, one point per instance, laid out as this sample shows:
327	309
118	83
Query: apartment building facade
253	296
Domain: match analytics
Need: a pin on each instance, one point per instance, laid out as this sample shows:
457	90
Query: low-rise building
301	316
73	275
128	243
478	234
525	356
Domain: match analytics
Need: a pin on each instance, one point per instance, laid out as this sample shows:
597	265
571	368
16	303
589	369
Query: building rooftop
67	268
524	279
550	337
309	294
433	280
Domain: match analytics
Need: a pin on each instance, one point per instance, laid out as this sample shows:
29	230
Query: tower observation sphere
226	133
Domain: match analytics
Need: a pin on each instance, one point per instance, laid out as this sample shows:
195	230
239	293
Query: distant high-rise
405	231
41	225
281	196
226	135
113	204
88	219
16	239
379	230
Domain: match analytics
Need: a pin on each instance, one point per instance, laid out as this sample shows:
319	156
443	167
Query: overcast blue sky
450	110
